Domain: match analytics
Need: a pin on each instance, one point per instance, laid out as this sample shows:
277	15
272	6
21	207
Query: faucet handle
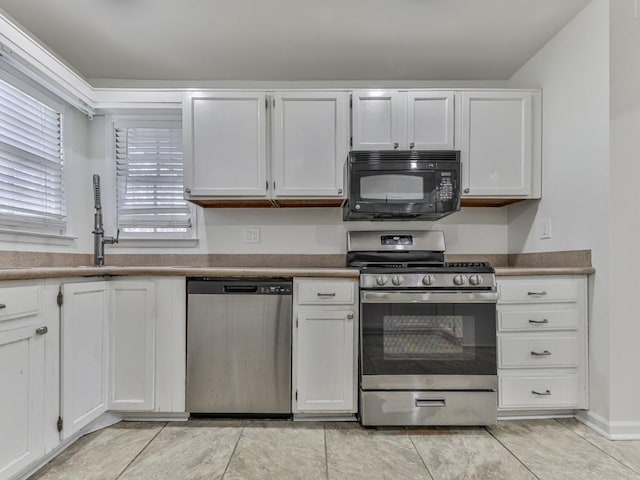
111	240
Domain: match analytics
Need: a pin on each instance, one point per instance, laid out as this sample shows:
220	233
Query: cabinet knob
466	190
350	316
42	331
396	145
2	305
412	145
339	191
187	190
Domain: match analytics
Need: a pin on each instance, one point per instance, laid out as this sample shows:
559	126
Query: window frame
40	232
143	239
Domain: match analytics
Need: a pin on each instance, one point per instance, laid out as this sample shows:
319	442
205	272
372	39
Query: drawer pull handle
544	320
431	402
546	353
326	295
546	393
2	305
537	294
42	331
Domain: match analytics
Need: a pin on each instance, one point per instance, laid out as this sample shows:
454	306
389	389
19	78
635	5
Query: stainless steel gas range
427	332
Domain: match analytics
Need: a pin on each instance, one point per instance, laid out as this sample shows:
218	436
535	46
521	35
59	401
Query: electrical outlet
251	235
545	229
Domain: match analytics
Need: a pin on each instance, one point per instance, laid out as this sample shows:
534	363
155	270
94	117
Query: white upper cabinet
310	143
379	120
500	144
394	120
430	122
225	150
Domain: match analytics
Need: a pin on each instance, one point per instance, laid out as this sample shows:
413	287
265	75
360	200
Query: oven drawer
428	407
560	391
318	292
538	291
515	318
536	352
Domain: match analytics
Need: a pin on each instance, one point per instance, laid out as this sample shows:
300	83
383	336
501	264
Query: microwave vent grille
405	155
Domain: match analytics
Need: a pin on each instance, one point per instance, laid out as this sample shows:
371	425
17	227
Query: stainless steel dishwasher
239	346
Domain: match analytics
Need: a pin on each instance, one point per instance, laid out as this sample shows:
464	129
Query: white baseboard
612	430
154	417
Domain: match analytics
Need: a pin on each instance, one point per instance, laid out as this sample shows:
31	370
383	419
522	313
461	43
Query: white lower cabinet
132	345
325	346
542	343
84	364
22	374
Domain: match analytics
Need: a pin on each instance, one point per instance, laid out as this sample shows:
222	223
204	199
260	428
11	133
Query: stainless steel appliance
239	346
427	332
402	185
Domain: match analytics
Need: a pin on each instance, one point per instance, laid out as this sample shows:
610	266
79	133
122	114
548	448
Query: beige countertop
241	272
244	272
524	271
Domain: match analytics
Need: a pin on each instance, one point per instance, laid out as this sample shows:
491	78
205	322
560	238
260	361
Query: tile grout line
142	450
598	447
419	456
326	455
520	461
233	452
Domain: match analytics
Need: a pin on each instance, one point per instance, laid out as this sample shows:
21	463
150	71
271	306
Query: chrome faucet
99	240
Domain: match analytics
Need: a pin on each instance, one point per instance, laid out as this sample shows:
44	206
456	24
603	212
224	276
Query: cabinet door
225	144
22	370
379	120
496	144
430	120
84	354
326	366
132	345
310	143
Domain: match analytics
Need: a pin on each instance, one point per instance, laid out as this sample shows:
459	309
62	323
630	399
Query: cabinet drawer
318	292
538	291
17	302
527	318
550	392
537	352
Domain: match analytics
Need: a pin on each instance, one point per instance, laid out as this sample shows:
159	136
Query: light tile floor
278	450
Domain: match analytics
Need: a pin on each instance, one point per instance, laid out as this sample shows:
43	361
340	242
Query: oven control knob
475	280
382	280
459	280
397	280
429	280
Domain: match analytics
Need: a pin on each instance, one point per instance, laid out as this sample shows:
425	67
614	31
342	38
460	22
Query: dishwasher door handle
240	288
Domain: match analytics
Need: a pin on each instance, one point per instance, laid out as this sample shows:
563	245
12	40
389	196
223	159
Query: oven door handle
427	297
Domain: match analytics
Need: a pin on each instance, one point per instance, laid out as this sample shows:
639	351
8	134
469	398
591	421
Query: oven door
428	340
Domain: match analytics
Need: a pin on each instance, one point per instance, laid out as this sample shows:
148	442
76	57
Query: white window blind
31	163
149	181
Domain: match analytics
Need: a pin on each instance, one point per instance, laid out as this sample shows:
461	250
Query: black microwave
402	185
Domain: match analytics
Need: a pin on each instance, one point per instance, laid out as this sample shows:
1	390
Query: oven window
391	187
428	339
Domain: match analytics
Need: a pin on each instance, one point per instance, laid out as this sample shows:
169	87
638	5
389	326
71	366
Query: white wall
293	230
624	224
573	71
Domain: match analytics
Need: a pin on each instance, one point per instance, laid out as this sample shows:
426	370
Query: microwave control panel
446	187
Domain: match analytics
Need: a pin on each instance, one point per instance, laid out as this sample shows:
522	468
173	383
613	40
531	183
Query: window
31	163
149	181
